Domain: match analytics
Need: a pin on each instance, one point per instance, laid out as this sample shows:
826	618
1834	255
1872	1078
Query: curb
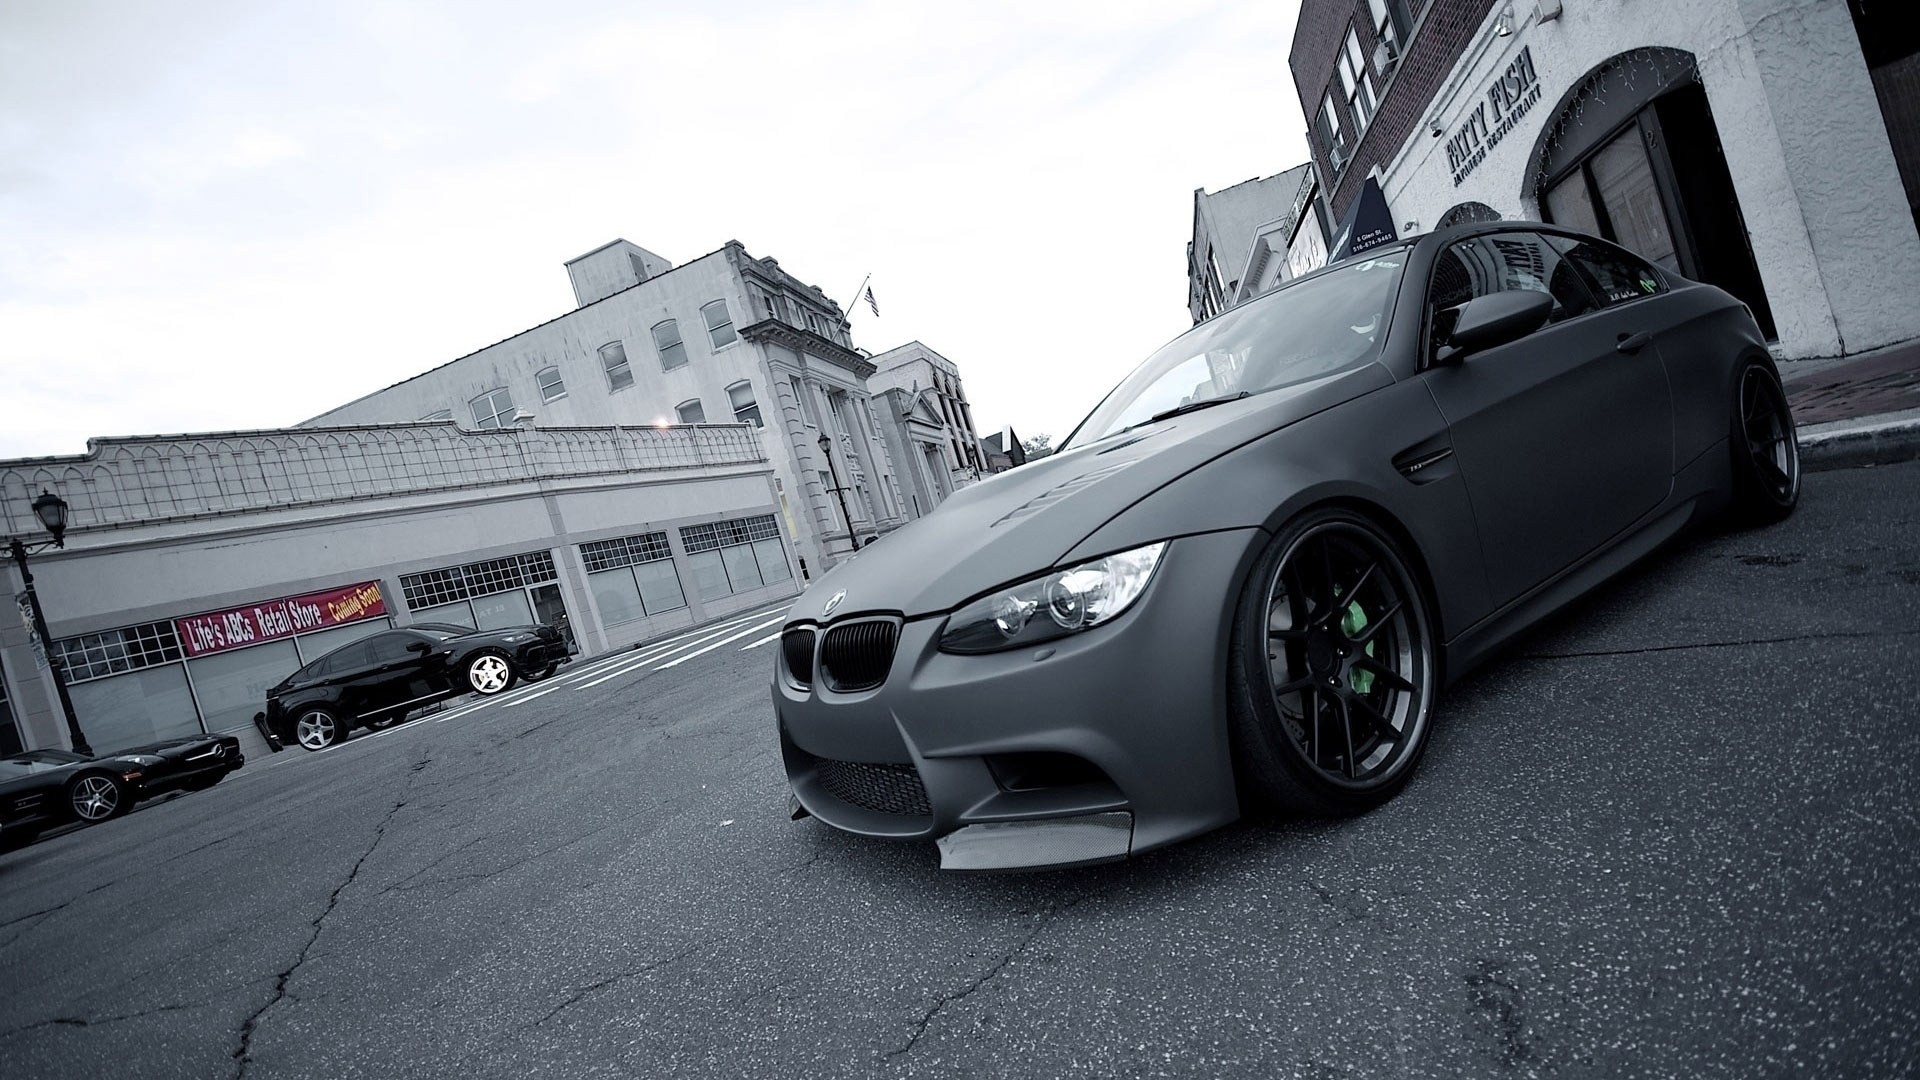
1882	440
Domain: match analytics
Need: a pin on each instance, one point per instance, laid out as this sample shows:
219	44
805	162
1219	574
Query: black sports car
378	679
40	789
1247	574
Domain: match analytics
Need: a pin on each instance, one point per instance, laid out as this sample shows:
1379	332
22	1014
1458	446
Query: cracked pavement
1673	832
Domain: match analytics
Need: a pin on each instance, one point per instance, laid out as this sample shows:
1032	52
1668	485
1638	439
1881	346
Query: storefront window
502	610
1624	178
232	686
136	708
314	646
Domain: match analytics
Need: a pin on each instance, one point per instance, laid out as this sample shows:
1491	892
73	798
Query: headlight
1053	606
145	760
515	639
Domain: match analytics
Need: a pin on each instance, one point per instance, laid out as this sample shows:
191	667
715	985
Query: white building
199	570
1753	144
723	338
928	424
1240	239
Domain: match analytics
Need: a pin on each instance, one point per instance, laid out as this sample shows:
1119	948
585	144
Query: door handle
1633	343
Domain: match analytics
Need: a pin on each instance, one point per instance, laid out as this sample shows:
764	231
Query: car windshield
1321	325
440	632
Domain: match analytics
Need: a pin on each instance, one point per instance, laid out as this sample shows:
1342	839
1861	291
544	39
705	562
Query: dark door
1564	437
550	610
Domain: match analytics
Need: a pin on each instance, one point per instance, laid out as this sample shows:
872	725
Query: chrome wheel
1350	672
317	729
96	798
489	674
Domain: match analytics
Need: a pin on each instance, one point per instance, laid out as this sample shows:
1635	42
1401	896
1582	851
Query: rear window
1615	275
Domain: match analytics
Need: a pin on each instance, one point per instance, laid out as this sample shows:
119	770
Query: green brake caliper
1351	623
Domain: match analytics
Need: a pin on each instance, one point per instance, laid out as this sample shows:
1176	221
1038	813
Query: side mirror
1496	319
419	647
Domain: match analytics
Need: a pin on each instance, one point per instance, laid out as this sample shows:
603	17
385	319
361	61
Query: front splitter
1049	843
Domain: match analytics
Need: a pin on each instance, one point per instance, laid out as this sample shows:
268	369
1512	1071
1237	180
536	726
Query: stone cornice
773	331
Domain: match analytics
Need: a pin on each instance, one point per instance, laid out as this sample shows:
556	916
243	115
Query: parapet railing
121	481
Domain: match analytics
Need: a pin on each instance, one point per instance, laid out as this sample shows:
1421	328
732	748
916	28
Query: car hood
1023	521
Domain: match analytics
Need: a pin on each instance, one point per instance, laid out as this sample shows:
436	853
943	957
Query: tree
1038	446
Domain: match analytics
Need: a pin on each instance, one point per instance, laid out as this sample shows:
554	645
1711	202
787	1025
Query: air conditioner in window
1385	55
1337	157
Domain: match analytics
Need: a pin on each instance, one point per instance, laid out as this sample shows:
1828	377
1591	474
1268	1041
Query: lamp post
51	509
826	451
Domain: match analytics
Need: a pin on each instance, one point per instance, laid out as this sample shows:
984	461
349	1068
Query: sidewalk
1858	410
1884	381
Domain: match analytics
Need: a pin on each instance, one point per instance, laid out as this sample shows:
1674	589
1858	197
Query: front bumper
1084	749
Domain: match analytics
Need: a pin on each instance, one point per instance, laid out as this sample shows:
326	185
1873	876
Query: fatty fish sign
251	624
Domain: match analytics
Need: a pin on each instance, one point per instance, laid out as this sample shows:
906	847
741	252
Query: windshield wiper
1193	406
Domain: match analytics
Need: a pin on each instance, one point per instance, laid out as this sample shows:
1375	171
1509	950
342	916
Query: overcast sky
218	215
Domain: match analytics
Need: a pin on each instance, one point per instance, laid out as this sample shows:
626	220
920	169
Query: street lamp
51	509
826	451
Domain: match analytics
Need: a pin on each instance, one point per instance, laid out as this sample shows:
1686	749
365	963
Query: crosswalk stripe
723	641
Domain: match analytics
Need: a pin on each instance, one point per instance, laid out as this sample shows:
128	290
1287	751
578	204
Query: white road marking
775	636
724	641
658	648
661	654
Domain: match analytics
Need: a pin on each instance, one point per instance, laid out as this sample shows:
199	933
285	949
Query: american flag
872	303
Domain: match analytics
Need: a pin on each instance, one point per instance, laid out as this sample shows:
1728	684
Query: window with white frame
1387	53
1356	81
719	323
493	409
745	408
613	357
666	342
552	387
1330	133
691	412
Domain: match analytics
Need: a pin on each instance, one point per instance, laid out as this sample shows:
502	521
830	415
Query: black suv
378	679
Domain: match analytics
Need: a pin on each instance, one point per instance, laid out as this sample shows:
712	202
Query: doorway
1635	157
549	608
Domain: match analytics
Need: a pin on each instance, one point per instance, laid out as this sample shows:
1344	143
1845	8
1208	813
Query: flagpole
856	295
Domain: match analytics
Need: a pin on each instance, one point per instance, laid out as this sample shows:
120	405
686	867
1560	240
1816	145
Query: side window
666	341
386	648
613	358
345	659
1615	275
719	323
1499	263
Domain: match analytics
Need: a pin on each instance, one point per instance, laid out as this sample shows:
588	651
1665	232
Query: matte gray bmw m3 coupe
1247	575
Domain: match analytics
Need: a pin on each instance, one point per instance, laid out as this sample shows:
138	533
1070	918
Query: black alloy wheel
1764	446
95	797
1335	673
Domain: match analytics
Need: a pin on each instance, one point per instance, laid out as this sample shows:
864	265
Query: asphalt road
1673	834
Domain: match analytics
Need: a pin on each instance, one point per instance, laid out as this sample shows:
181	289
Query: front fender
1345	454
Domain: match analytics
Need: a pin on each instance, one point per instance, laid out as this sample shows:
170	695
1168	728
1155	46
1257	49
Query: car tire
315	728
489	672
96	796
1333	670
1763	445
